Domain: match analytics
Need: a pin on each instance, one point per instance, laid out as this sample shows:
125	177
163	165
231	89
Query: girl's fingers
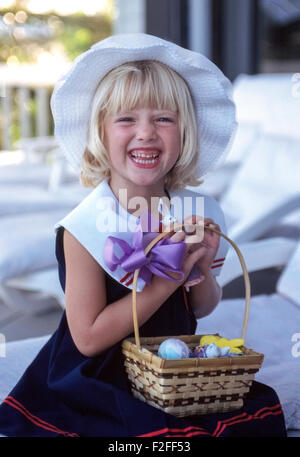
193	240
194	282
190	222
178	236
196	227
193	257
195	232
209	222
197	237
193	226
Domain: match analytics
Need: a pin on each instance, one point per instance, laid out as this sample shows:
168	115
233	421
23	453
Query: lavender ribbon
165	255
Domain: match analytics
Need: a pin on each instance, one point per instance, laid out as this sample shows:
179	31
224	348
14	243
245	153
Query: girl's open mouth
143	160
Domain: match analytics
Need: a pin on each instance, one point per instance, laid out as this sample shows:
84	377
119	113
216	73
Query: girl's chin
136	181
143	182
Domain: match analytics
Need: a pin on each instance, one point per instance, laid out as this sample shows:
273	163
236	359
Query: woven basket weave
186	387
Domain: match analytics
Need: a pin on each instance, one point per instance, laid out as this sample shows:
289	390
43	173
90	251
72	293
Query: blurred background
256	43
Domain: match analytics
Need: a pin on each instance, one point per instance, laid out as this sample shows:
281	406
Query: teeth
141	154
144	161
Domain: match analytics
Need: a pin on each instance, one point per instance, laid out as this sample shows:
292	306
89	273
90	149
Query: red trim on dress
268	410
125	277
217	266
221	425
219	260
198	431
129	282
11	401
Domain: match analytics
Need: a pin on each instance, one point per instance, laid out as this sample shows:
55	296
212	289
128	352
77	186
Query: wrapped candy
173	348
234	345
199	352
212	350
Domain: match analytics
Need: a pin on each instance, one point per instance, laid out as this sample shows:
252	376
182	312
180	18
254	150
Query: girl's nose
145	131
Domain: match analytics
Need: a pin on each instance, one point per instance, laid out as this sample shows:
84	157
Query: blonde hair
131	86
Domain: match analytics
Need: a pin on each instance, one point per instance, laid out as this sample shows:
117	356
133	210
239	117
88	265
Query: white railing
19	85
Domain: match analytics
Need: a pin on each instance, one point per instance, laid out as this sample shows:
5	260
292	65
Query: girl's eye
126	119
129	119
165	119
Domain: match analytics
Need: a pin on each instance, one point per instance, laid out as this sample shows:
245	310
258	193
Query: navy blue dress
64	393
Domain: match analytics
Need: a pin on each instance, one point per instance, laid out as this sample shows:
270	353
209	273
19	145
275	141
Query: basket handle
243	265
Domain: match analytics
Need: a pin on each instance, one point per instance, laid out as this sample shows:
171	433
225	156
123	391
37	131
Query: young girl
141	118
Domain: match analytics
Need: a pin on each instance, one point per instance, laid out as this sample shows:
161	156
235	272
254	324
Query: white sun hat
211	92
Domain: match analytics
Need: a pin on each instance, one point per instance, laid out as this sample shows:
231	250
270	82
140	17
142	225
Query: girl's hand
209	244
201	246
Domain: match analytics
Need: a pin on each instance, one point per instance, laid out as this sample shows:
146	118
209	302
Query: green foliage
15	131
67	36
79	33
73	35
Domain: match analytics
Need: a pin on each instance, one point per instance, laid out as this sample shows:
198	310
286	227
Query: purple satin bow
166	255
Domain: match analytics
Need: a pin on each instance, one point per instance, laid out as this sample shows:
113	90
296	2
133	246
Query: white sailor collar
100	216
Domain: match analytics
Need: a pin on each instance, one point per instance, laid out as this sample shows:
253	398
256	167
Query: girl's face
143	145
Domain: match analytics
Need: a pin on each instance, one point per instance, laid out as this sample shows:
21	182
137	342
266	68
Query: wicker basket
192	386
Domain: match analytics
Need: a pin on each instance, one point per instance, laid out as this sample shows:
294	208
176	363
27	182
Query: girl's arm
205	296
93	325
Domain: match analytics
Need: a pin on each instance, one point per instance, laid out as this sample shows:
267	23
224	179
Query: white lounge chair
266	104
271	100
27	246
43	170
27	199
27	243
217	182
25	173
33	197
15	358
274	320
264	196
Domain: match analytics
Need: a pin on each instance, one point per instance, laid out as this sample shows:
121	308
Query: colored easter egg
212	350
173	348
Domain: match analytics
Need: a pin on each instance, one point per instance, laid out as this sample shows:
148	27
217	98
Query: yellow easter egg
237	342
234	350
207	339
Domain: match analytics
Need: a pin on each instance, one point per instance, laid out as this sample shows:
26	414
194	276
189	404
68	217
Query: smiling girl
140	114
